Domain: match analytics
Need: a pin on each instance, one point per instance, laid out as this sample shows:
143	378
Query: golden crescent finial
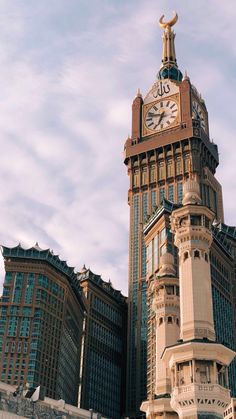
167	25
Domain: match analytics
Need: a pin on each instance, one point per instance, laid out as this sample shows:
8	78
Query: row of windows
169	320
143	247
105	336
173	193
209	197
161	171
103	385
158	247
107	311
24	284
217	263
196	255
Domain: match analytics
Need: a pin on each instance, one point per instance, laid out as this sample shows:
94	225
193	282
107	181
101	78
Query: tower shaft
199	365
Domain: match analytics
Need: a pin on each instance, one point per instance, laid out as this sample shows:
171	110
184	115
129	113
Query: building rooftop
37	254
87	274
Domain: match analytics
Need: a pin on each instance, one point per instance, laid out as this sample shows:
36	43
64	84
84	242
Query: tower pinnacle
169	68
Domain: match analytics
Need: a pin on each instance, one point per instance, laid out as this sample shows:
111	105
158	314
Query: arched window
206	257
177	322
160	320
196	254
185	255
169	320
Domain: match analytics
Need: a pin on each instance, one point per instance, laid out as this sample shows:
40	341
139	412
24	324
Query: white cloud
67	79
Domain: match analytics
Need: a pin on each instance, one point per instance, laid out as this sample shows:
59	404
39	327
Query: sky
69	70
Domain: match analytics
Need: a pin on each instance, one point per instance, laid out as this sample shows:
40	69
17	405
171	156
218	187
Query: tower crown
169	68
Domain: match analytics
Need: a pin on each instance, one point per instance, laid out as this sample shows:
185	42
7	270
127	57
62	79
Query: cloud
68	75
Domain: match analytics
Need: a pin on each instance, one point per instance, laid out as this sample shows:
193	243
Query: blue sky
69	70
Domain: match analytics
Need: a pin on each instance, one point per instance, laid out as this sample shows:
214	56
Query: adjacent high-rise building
170	139
103	364
41	322
191	366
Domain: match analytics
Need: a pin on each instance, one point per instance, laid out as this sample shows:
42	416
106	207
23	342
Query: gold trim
171	22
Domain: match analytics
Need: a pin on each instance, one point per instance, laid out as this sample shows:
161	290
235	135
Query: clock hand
152	114
161	117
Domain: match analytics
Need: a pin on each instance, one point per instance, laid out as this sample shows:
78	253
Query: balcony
201	388
210	398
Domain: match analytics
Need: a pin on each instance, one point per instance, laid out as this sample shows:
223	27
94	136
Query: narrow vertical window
161	170
171	193
179	192
186	163
135	178
178	166
169	168
161	194
144	176
152	173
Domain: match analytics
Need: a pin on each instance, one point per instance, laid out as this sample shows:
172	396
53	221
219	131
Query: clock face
162	115
199	114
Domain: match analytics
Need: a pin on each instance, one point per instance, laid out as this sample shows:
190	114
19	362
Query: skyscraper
191	366
41	322
102	384
170	138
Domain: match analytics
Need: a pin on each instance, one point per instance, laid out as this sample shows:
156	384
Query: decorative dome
167	265
191	193
170	72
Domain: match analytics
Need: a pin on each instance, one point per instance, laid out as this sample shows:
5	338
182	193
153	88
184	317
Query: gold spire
168	55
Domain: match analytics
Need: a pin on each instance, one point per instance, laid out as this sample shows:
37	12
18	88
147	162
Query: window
8	277
206	257
160	320
161	170
206	222
144	176
161	194
163	234
149	259
135	178
195	220
152	173
169	168
169	320
185	256
171	193
155	252
186	163
179	193
178	166
18	287
163	250
170	289
196	254
153	199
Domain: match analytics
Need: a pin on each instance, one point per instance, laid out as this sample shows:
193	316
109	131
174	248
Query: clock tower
170	138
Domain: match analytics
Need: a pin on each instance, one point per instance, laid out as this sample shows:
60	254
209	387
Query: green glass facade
40	323
103	372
